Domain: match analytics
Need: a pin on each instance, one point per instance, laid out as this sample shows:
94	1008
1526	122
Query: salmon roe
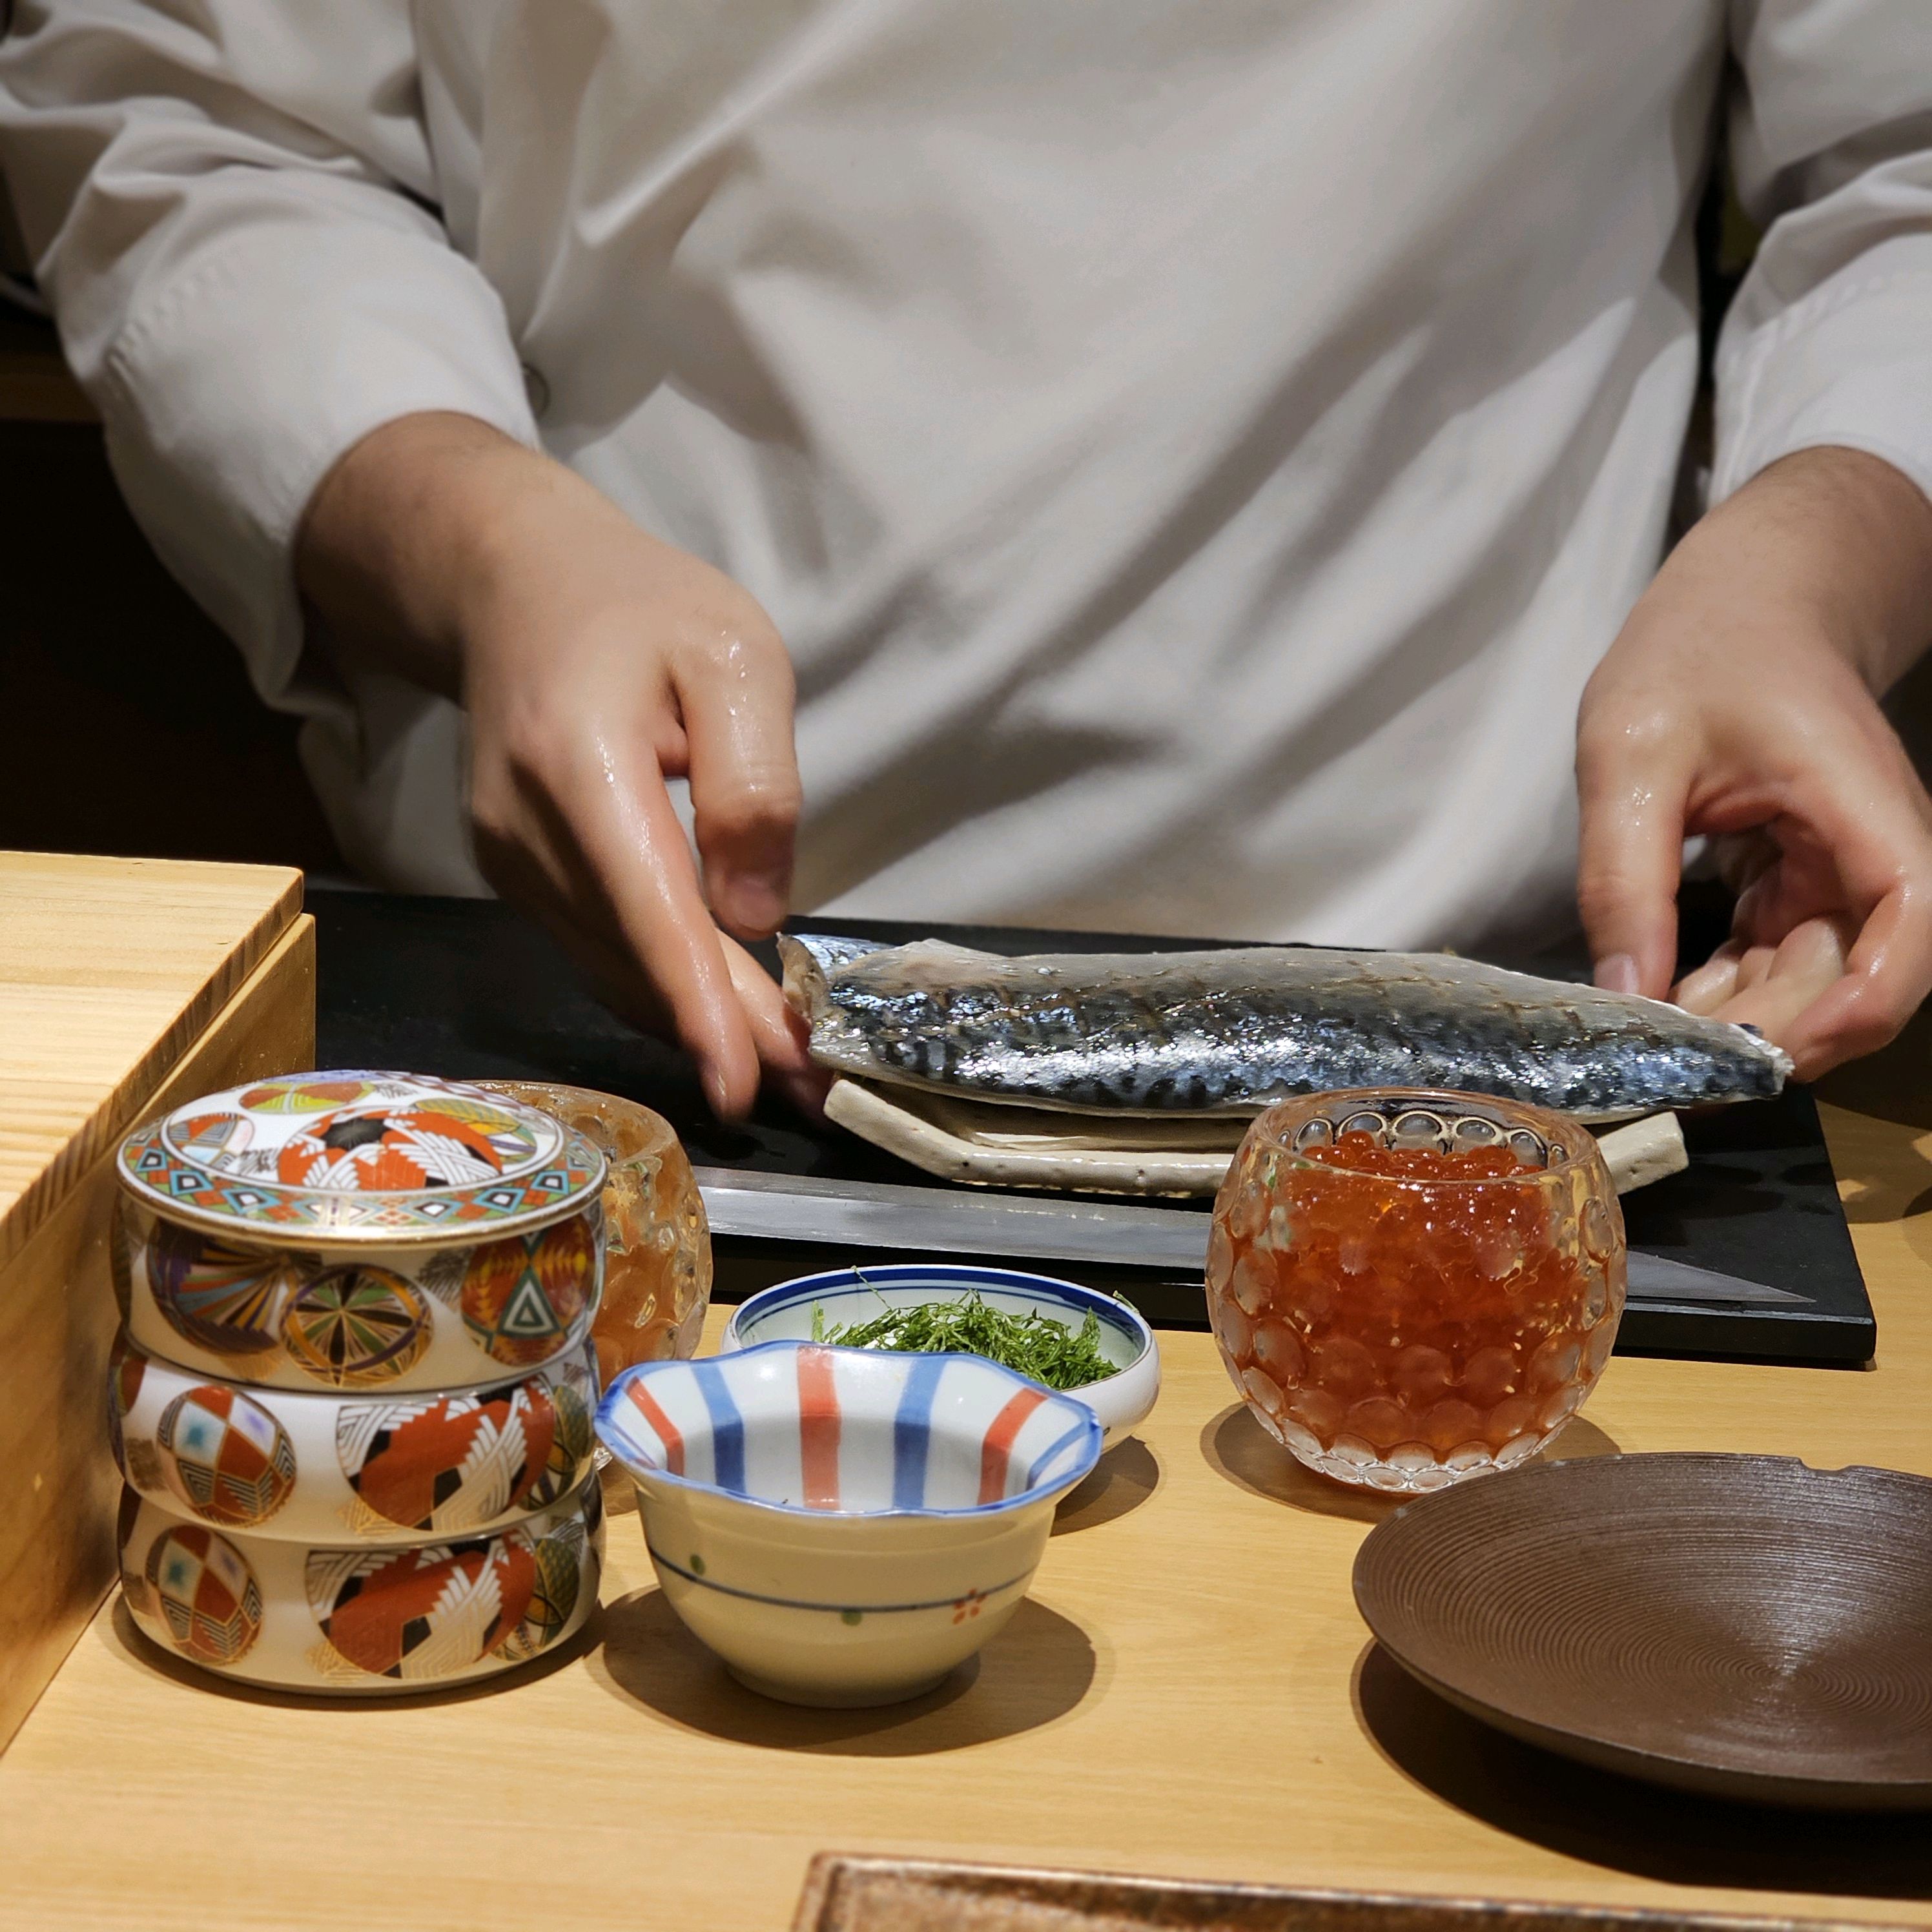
1393	1324
1362	1153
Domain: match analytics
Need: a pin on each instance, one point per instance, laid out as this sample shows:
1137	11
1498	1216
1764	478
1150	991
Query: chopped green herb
1034	1344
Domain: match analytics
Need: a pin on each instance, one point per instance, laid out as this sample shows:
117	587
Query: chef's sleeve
232	205
1829	339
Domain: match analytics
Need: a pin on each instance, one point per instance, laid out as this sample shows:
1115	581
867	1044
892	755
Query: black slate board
466	987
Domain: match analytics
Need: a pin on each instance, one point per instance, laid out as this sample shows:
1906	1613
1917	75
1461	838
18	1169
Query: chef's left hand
1738	701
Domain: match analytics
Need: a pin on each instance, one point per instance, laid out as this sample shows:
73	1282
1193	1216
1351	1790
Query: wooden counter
1189	1691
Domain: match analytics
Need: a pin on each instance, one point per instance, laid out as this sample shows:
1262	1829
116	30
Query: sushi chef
1196	469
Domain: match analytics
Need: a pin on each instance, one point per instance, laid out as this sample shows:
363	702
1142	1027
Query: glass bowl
1404	1329
657	1268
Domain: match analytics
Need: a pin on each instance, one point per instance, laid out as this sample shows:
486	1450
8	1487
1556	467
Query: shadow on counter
1623	1825
1036	1671
1239	1450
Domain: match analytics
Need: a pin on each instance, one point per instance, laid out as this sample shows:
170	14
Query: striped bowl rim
1082	1422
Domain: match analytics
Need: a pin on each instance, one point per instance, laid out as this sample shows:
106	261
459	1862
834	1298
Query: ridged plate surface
1742	1626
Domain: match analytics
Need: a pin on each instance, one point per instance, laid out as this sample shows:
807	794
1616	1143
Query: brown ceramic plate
845	1894
1742	1626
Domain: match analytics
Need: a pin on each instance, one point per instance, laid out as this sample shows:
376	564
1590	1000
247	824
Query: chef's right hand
595	662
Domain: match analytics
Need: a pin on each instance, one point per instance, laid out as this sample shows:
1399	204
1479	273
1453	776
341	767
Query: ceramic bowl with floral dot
844	1527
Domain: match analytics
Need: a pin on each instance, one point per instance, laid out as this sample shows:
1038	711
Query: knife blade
882	1214
1656	1279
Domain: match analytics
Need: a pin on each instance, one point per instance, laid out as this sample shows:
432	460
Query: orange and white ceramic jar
364	1232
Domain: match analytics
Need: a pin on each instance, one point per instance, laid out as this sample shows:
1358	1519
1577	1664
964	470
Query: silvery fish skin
1232	1032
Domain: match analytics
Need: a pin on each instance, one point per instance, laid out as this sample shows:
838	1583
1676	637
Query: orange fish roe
1401	1315
1363	1153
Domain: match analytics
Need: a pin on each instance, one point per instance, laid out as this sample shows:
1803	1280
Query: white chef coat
1194	454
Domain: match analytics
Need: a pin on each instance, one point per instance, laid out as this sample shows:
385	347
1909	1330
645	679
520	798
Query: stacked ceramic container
353	1402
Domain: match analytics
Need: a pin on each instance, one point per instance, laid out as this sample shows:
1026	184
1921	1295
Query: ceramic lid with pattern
376	1158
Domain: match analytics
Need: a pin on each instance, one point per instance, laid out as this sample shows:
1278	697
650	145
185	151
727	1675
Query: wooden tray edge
852	1892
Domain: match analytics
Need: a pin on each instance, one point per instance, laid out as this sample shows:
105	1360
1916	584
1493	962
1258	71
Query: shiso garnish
1032	1344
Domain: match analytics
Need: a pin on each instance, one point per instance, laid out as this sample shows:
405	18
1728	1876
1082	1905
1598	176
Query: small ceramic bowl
847	1295
373	1232
321	1468
843	1527
360	1622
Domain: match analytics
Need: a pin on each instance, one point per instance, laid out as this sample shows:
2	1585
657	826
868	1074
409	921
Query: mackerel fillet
1232	1032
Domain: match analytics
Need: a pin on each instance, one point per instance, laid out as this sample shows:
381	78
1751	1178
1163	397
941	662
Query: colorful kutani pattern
318	1095
360	1154
381	1149
454	1463
355	1327
420	1614
574	1441
225	1298
553	1595
225	1457
521	1296
204	1593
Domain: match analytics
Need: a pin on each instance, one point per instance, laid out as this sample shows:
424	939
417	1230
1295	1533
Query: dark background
130	726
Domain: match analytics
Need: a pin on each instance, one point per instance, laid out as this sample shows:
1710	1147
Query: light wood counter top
108	969
1189	1691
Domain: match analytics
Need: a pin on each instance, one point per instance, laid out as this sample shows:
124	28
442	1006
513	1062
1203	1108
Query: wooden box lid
110	969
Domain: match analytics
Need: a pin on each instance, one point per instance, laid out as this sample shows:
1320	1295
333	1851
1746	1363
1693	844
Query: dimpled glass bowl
657	1269
1400	1333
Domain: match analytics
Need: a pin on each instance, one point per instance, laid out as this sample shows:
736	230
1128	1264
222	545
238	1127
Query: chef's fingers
611	806
603	960
734	692
1857	852
1735	967
1888	974
530	857
1756	967
780	1034
1631	789
1705	988
1775	984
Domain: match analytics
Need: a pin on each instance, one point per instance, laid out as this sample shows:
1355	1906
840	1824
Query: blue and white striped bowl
845	1295
843	1526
